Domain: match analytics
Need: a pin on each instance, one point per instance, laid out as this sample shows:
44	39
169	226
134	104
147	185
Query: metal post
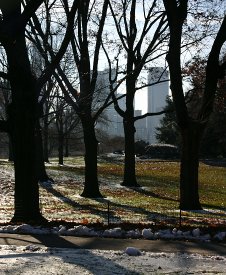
180	217
108	213
179	190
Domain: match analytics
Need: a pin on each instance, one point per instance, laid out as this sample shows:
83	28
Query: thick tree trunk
91	185
189	186
26	181
129	129
22	119
66	146
10	149
130	163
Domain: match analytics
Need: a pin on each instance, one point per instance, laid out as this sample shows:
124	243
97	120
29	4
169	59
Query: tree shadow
69	253
208	212
151	216
76	205
185	253
212	162
221	208
111	207
12	239
78	253
142	191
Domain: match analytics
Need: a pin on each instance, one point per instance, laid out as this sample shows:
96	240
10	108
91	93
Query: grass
157	200
161	178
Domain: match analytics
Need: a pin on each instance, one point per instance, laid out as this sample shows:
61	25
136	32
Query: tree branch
98	44
70	28
29	9
4	75
4	126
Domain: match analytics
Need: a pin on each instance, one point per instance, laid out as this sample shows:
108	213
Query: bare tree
191	128
140	45
23	111
4	103
84	53
66	120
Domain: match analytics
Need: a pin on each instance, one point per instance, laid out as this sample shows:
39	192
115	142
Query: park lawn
213	186
159	195
162	178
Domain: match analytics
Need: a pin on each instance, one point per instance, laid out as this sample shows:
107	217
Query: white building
140	125
156	101
112	124
156	98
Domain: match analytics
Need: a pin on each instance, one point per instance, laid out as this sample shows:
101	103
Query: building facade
157	92
158	79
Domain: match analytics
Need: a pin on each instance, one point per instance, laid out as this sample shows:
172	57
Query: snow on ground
147	233
32	259
6	189
29	260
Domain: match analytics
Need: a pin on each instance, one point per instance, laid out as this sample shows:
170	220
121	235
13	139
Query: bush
162	151
140	146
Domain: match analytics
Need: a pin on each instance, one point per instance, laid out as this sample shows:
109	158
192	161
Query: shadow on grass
70	202
113	209
210	207
142	191
215	162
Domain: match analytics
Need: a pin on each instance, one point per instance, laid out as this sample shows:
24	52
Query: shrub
162	151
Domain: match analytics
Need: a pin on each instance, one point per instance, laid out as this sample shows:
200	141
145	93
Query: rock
220	236
196	232
132	251
147	233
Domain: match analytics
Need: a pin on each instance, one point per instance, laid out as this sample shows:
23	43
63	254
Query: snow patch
196	232
146	233
132	251
114	233
220	236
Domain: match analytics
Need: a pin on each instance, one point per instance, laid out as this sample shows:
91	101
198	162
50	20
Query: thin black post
180	208
180	217
108	213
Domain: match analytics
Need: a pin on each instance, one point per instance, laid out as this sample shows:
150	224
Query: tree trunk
46	139
129	129
91	185
60	148
130	163
66	146
40	164
26	181
22	120
189	187
10	149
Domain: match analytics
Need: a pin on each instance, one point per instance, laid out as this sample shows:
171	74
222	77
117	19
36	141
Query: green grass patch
158	197
157	200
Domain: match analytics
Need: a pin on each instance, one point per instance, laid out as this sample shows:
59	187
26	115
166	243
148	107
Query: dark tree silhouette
133	40
23	111
191	128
